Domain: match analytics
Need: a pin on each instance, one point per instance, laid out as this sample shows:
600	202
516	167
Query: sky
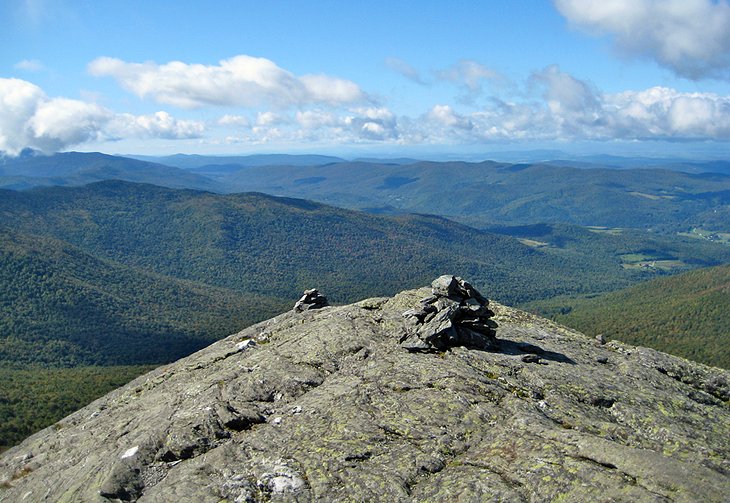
396	78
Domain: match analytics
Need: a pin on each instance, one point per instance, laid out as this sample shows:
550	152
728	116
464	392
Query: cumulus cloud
445	115
373	123
563	108
571	109
316	119
664	113
405	69
31	119
690	37
28	118
270	119
234	120
356	125
59	122
157	125
239	81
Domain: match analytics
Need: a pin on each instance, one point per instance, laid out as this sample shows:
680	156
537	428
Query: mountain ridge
131	223
79	168
658	196
62	306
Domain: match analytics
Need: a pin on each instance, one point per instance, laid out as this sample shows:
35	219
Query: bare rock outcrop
330	407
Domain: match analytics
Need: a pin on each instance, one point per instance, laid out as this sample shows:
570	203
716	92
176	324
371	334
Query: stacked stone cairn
456	314
311	299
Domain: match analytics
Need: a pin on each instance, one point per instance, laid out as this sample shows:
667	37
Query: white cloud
690	37
316	119
373	123
571	109
402	67
270	119
29	65
663	113
357	125
469	74
30	119
157	125
239	81
59	122
445	115
234	120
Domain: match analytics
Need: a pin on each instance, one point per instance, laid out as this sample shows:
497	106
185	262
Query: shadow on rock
531	353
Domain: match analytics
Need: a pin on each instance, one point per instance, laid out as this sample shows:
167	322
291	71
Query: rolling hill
79	168
489	193
481	194
255	243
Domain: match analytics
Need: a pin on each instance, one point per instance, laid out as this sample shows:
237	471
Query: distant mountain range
198	161
77	168
488	193
478	194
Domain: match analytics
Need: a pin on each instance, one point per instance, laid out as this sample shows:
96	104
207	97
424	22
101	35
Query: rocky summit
458	399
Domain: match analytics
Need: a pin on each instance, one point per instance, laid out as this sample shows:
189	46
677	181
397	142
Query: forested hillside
61	306
34	397
489	193
260	244
479	194
686	315
78	168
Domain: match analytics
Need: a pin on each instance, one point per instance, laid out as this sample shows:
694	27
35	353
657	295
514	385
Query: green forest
686	315
34	397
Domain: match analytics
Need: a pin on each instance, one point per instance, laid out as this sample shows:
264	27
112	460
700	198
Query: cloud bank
573	110
242	81
689	37
31	119
557	106
565	109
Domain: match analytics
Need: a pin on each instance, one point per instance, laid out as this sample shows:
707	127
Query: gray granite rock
360	419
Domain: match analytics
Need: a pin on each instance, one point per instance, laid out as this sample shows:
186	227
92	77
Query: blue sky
384	78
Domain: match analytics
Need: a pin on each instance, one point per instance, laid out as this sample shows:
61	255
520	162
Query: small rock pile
455	315
311	299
